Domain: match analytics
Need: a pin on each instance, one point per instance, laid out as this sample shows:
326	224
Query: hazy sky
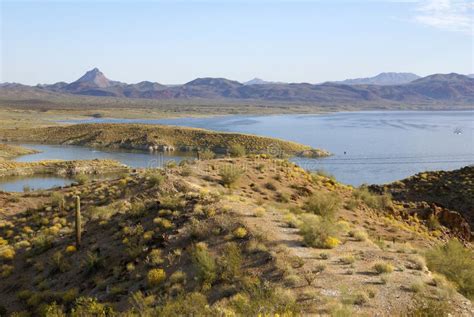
177	41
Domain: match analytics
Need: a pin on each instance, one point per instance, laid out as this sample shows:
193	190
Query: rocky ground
447	196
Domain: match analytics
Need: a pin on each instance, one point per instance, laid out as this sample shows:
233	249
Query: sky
173	42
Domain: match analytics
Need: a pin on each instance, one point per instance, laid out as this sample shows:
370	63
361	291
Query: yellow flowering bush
331	242
71	249
7	253
240	233
155	277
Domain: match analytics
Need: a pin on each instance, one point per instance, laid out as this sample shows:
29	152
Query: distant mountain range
258	81
382	79
409	88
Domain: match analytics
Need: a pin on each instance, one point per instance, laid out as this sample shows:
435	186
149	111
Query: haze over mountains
393	87
382	79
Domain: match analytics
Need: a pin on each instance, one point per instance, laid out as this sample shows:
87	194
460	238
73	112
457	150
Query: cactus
62	205
78	221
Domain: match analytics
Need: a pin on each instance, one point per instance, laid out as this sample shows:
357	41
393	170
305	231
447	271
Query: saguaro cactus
78	221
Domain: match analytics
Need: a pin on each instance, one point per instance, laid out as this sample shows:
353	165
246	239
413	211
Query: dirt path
340	281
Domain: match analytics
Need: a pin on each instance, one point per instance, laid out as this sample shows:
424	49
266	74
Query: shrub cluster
230	174
318	232
456	262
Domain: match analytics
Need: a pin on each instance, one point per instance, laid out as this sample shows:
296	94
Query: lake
33	182
134	159
368	147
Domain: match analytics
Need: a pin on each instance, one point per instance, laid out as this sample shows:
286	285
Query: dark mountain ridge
431	89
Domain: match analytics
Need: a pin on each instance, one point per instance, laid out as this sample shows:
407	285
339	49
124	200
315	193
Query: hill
239	237
8	151
450	193
156	137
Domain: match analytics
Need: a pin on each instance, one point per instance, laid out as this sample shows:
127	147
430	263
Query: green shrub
186	171
193	304
230	174
178	277
352	204
266	300
323	204
134	241
318	232
102	213
57	199
456	262
59	263
87	306
424	306
154	257
359	235
170	164
155	177
206	154
417	286
81	179
382	267
204	263
41	243
155	277
350	259
92	263
417	262
53	310
230	263
358	298
237	150
372	200
432	222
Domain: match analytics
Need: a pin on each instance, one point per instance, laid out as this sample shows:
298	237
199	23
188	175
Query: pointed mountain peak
95	77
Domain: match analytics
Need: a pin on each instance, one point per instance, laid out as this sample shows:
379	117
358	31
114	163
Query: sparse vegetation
373	200
206	154
192	247
237	150
383	267
456	263
230	175
155	277
319	232
324	204
81	179
205	264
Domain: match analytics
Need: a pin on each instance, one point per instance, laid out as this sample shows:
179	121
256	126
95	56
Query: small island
158	138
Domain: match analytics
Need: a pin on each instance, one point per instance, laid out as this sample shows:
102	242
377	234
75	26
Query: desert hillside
244	236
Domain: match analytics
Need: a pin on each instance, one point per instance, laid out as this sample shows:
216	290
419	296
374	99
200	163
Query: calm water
19	183
369	147
65	152
134	159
